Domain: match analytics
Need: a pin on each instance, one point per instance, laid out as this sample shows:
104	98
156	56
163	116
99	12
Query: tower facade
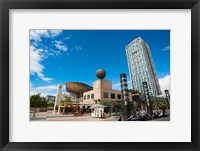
141	67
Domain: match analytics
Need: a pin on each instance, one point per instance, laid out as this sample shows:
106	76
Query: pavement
39	116
82	118
48	116
162	119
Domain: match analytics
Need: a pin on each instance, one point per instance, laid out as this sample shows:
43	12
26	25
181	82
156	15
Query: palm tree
162	106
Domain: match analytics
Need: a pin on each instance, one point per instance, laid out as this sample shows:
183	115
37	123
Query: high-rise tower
141	67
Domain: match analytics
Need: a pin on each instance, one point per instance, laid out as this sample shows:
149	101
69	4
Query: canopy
98	106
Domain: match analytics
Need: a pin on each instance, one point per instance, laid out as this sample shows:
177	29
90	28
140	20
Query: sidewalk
48	116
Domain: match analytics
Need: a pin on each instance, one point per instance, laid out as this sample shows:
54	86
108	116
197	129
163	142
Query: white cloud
68	37
37	34
38	55
35	59
45	90
165	83
58	52
41	76
35	63
53	53
78	47
64	87
117	86
60	45
165	48
54	33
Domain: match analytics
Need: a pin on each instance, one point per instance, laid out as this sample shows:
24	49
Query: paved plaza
48	116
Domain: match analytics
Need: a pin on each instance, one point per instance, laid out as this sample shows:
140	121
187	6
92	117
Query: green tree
133	91
50	104
38	101
162	106
68	100
98	101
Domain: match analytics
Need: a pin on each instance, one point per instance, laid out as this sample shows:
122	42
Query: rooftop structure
102	90
77	88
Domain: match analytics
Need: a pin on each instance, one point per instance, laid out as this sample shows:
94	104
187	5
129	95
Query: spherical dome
100	73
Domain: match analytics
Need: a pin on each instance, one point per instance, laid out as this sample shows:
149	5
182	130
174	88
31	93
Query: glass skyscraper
141	67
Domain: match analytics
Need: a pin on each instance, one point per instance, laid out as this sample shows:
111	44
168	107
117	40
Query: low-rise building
102	90
50	98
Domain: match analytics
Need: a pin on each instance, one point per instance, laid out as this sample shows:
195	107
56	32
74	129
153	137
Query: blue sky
60	56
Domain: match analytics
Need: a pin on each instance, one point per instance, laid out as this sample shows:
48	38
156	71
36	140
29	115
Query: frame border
5	5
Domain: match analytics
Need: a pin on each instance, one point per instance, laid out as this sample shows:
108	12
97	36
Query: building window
88	96
84	97
105	95
119	96
134	53
112	95
92	96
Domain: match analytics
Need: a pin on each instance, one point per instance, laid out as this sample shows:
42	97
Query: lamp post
125	96
167	98
147	98
36	103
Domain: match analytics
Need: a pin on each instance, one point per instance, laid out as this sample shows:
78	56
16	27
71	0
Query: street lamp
147	98
125	98
167	98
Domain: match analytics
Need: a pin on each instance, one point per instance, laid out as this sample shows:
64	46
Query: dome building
102	90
